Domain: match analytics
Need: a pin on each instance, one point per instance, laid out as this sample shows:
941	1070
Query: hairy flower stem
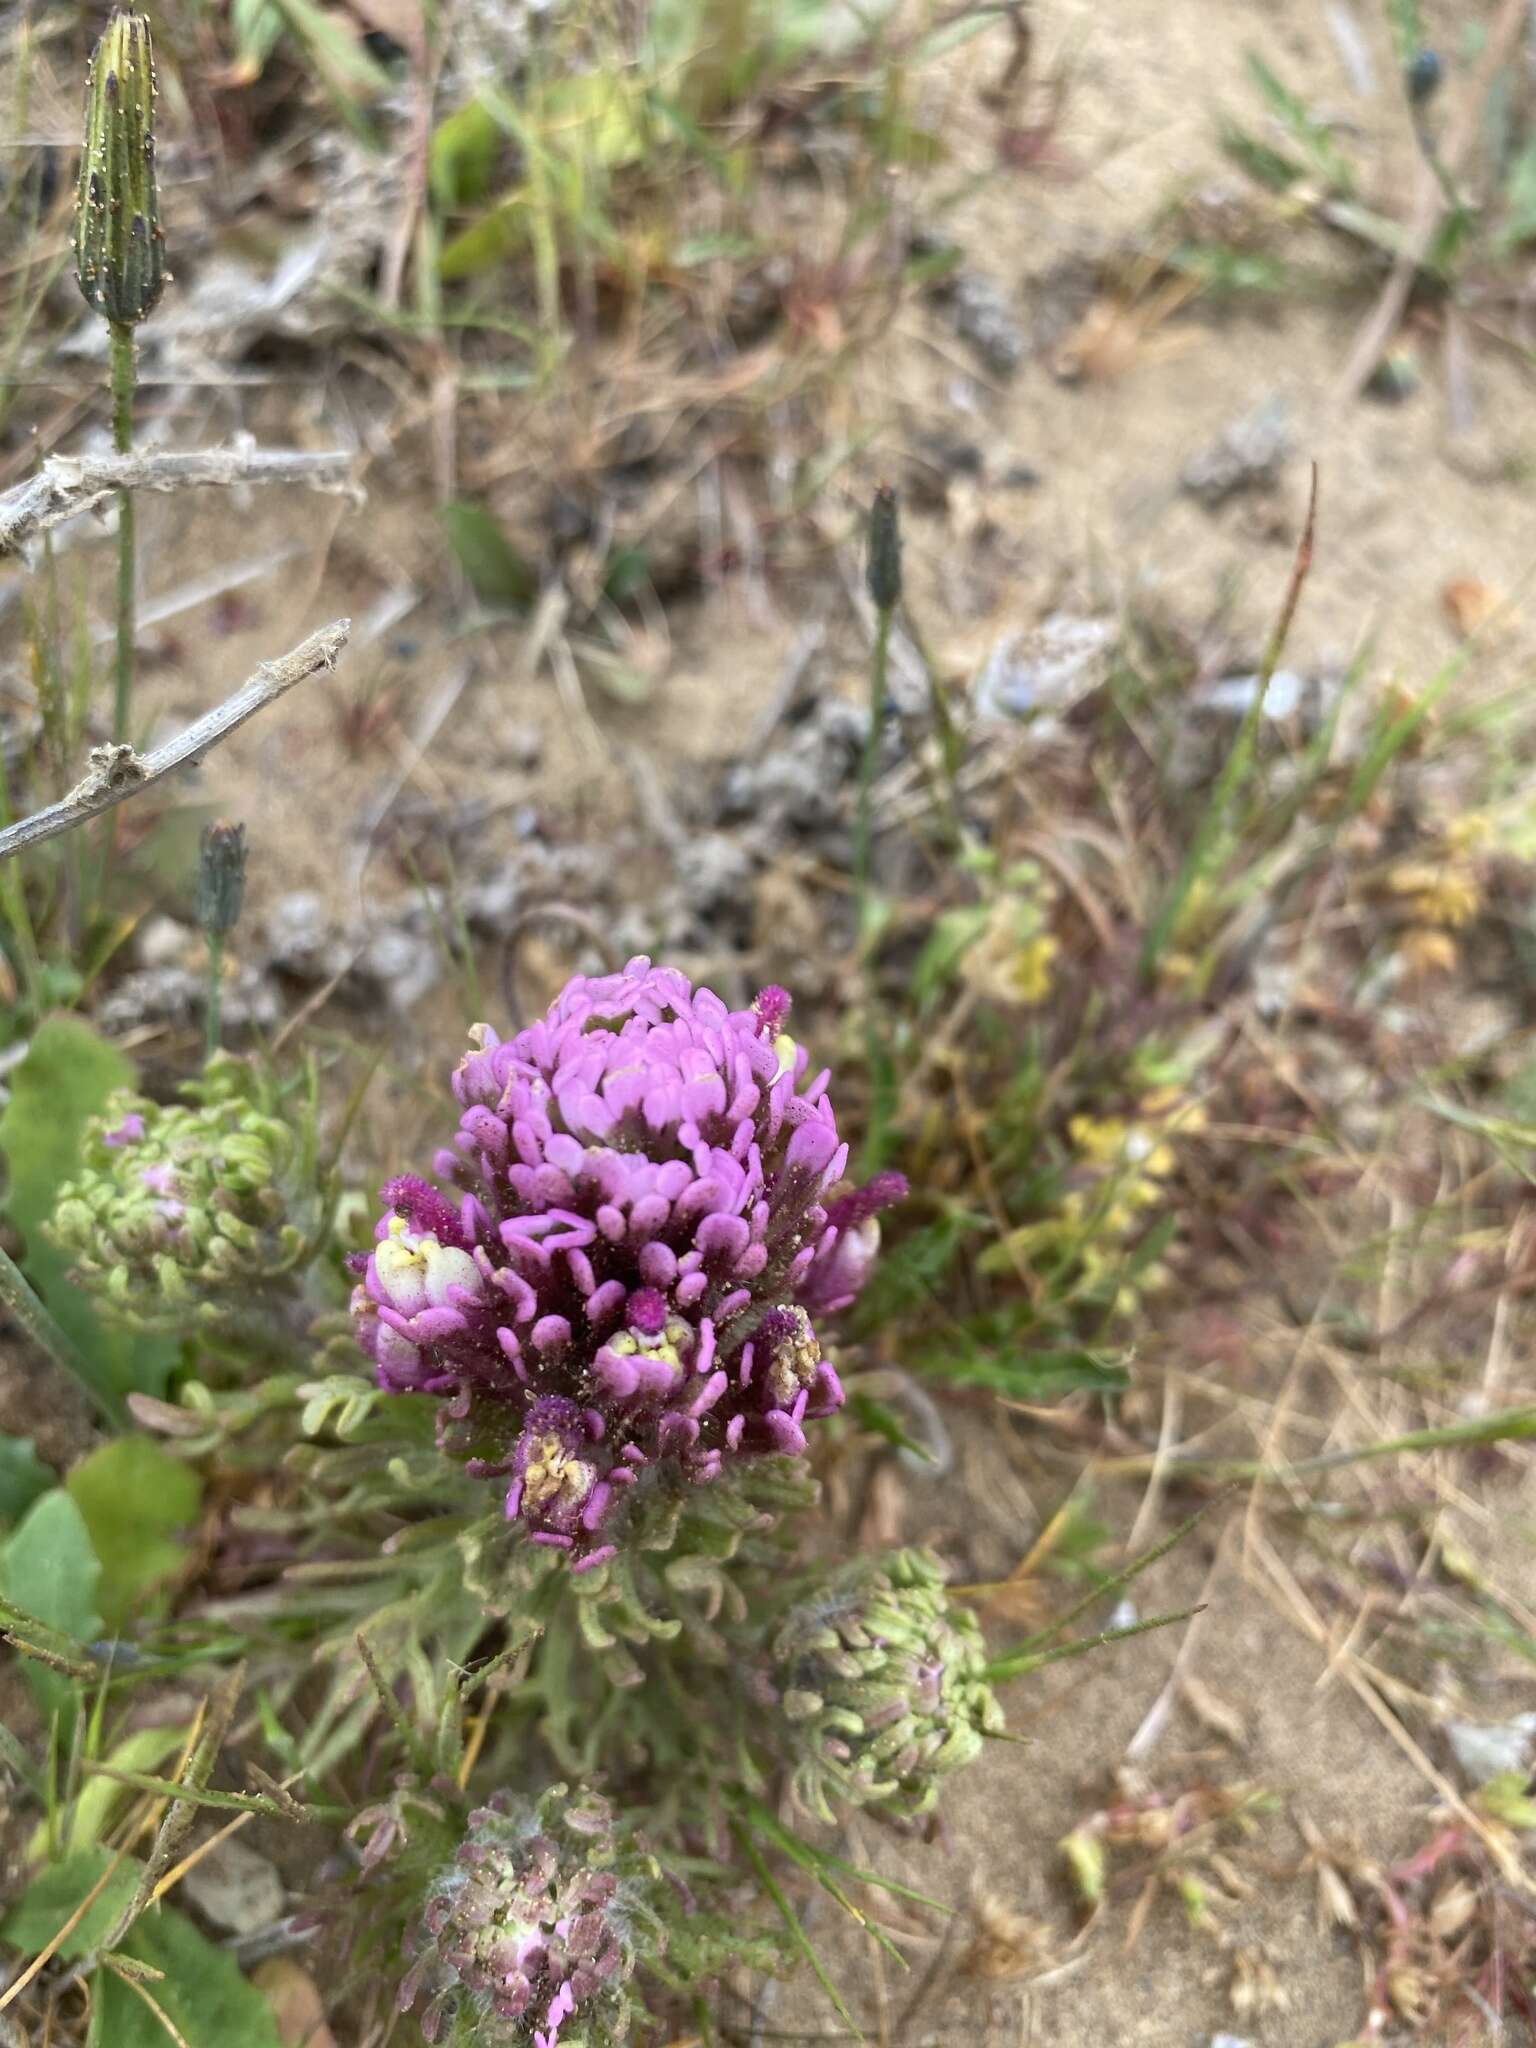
863	861
26	1306
122	436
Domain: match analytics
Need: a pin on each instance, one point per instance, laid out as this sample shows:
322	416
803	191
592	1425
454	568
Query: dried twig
69	484
117	771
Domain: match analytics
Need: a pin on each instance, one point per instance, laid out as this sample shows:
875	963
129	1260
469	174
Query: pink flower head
613	1272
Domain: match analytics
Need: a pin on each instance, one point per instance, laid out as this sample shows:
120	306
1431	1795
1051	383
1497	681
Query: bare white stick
117	771
68	484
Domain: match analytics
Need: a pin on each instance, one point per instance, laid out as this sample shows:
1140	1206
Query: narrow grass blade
1017	1662
797	1933
1235	769
1111	1586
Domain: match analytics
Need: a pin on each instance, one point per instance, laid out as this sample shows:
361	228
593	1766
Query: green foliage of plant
82	1820
196	1986
138	1504
23	1477
1308	171
496	572
50	1568
54	1895
50	1571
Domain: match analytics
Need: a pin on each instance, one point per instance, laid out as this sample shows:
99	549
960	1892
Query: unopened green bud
192	1213
220	879
881	1686
882	569
119	249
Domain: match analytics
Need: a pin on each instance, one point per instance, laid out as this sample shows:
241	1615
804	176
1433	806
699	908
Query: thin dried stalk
117	771
70	484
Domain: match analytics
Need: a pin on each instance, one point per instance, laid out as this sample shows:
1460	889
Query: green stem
1509	1425
876	1050
951	748
122	436
17	915
215	1008
1210	832
863	860
18	1295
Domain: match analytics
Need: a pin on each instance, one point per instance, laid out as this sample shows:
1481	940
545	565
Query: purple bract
622	1273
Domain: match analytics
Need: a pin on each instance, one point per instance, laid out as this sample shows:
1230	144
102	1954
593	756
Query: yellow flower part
1428	953
1473	833
1445	894
1032	970
1101	1140
1013	958
552	1471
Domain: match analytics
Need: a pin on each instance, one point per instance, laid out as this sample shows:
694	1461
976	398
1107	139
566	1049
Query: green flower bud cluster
880	1682
191	1214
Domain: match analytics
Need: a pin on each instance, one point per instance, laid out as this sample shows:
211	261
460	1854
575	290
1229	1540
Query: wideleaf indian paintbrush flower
616	1278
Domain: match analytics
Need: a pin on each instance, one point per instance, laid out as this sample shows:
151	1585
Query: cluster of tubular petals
619	1267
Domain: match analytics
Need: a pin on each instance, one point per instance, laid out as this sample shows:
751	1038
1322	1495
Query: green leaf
1407	29
954	933
463	155
200	1990
885	1422
1311	135
49	1567
99	1798
64	1081
54	1894
1519	223
796	1932
911	1271
258	28
594	117
627	570
1022	1373
22	1477
337	53
137	1500
497	573
1505	1798
486	242
202	1795
1271	168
